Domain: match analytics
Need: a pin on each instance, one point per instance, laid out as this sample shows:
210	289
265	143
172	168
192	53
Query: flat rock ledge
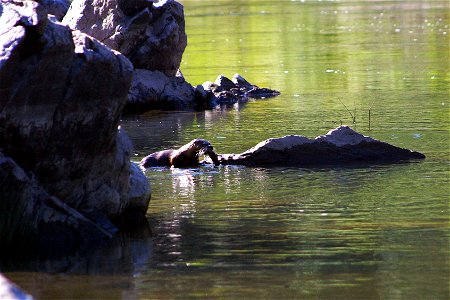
340	146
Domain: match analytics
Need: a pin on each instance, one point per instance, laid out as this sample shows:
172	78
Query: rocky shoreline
65	80
62	152
152	36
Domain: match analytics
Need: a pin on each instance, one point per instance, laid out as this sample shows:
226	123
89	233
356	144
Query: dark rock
58	8
261	93
61	97
17	198
151	35
100	19
132	7
241	82
155	90
340	146
139	194
224	91
222	83
29	215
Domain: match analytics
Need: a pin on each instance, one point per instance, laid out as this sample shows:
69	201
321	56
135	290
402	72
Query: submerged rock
61	96
224	91
338	147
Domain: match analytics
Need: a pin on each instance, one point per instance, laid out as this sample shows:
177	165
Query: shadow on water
126	253
153	242
231	226
177	239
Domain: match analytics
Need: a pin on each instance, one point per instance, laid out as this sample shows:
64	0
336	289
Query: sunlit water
379	232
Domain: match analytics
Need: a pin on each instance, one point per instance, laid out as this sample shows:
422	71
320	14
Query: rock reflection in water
102	272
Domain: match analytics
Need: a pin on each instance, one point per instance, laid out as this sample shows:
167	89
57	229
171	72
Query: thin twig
370	110
353	116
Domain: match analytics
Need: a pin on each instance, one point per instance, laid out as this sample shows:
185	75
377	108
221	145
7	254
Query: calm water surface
379	232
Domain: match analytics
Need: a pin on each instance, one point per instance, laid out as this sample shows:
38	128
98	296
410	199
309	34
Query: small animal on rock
185	157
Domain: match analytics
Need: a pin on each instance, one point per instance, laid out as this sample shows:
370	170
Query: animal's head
202	146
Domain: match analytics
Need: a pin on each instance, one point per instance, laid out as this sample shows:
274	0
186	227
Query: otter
185	157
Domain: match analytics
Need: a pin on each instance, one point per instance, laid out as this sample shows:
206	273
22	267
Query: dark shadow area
125	254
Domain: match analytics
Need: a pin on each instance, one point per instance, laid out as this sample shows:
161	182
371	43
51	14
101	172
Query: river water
377	232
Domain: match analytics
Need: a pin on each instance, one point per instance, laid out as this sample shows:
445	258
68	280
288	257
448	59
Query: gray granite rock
58	8
61	96
140	190
155	90
30	215
152	35
341	146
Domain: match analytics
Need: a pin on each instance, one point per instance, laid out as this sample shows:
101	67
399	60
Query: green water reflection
379	232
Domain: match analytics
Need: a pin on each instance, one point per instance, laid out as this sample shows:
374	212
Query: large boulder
152	35
341	146
30	214
61	96
155	90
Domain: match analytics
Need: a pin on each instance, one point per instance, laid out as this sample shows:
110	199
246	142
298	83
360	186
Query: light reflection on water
234	232
359	228
290	232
